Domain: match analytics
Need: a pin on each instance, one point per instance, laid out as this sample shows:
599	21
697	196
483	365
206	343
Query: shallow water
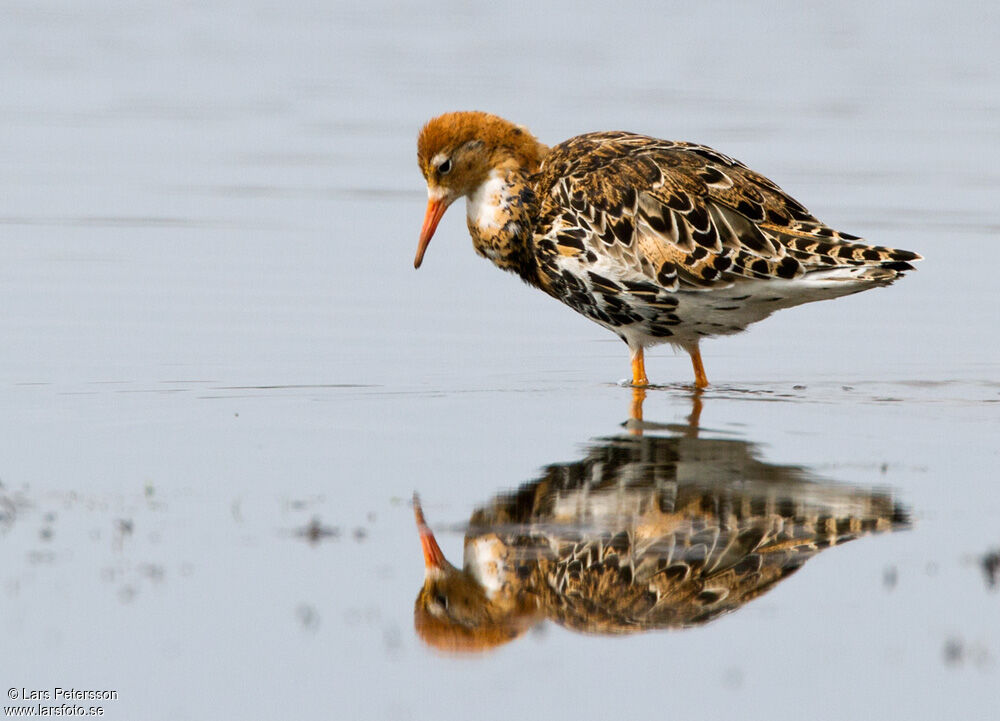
223	381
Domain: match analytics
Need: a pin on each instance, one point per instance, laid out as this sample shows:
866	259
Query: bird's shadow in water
656	528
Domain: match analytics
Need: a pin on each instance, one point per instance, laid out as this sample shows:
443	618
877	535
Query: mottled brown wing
687	580
681	213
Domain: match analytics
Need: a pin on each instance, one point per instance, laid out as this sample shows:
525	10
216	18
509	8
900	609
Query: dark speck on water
954	651
991	569
314	532
890	577
308	616
957	652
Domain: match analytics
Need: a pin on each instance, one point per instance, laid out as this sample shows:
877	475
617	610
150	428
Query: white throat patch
484	557
483	207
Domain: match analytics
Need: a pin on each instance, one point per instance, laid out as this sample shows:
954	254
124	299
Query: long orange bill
435	210
433	557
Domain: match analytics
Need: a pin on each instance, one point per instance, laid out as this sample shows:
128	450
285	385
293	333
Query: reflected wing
652	533
682	214
703	569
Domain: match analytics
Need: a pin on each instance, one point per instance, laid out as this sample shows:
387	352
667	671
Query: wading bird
659	241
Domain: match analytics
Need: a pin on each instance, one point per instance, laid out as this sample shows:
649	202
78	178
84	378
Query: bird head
458	151
452	611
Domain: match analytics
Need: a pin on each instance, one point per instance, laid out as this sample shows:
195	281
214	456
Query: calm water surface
222	380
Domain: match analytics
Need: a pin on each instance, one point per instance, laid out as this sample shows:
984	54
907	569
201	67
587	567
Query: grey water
222	379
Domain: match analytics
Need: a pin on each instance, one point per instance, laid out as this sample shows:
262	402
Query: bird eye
445	166
441	600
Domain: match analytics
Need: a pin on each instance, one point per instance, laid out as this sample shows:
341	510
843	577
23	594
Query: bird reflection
644	532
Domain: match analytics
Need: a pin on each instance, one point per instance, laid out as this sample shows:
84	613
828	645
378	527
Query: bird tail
880	274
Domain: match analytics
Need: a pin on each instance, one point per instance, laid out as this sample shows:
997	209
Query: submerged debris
954	650
991	569
957	652
307	616
315	531
122	529
152	571
890	577
8	512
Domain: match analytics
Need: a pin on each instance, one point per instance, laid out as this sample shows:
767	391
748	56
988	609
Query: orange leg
700	379
639	369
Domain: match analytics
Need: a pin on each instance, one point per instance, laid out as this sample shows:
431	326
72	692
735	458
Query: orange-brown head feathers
475	143
458	151
446	633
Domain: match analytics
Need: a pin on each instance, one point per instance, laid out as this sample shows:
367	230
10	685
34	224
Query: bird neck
504	600
500	213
